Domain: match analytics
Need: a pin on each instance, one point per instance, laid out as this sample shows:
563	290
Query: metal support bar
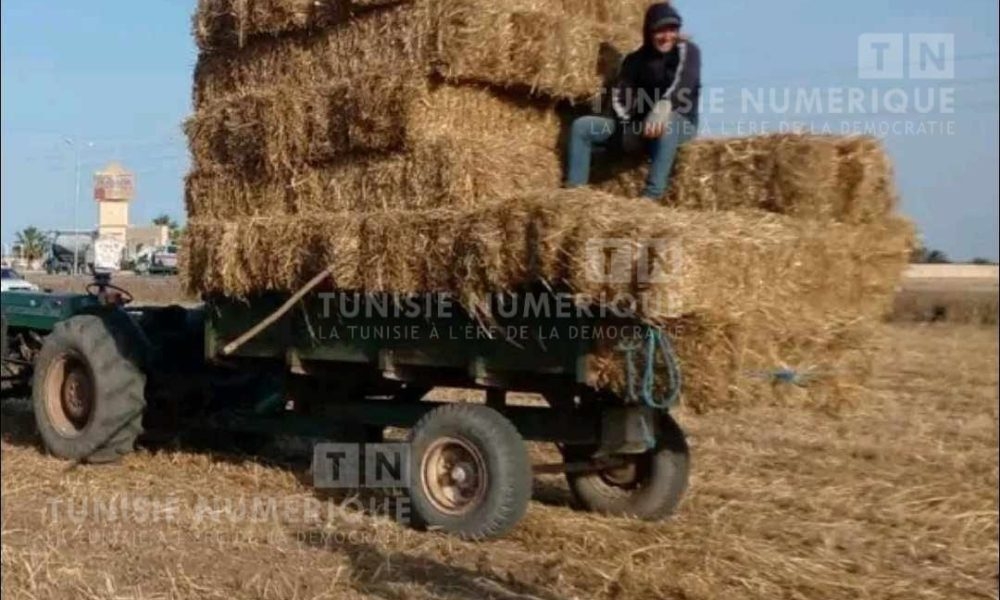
577	426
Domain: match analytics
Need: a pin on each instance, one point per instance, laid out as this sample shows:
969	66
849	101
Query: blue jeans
588	131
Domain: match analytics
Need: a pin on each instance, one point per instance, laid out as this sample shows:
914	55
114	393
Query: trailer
342	366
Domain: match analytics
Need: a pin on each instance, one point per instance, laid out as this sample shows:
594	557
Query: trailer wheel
87	391
470	474
649	487
3	336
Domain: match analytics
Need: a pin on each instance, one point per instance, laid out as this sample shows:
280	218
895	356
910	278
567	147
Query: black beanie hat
661	15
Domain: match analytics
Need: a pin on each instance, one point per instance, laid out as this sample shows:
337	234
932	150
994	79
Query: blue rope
785	375
655	340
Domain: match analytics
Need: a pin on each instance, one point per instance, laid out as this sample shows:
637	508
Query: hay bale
821	364
275	133
722	266
438	172
221	24
865	178
844	178
462	40
224	23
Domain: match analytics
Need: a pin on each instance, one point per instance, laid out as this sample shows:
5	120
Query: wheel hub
69	395
634	473
453	475
76	397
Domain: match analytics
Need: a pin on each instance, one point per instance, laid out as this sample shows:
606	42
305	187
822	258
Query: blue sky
117	74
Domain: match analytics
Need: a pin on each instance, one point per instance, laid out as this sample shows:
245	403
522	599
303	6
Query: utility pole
76	201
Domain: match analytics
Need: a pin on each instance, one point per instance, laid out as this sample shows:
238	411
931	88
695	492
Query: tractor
105	373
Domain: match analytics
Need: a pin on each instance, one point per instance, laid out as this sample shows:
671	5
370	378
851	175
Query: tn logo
897	56
622	261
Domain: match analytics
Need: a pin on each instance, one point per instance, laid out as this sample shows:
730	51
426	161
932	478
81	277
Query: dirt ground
896	498
953	300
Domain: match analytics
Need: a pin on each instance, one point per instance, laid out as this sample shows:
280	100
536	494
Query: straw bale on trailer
479	41
220	24
847	179
274	132
815	362
415	146
433	156
723	266
442	171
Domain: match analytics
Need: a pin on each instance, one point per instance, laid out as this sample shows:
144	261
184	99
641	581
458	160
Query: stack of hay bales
416	146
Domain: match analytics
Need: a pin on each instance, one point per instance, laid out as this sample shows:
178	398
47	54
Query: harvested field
894	498
961	301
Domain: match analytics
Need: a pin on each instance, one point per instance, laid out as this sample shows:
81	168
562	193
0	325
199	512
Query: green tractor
104	374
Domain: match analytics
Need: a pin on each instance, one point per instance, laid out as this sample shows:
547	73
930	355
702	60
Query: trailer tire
3	336
659	480
5	371
469	472
88	390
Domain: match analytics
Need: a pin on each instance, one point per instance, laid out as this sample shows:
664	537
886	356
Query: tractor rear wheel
470	475
88	391
647	486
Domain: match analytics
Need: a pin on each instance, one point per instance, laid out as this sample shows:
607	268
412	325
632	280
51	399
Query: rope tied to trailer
655	344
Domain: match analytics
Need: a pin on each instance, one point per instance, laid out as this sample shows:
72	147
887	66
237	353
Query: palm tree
165	219
173	228
32	243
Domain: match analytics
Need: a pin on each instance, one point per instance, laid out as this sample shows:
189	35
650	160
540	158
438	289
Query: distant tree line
32	244
931	256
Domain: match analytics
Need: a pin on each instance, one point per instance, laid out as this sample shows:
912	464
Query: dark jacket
648	75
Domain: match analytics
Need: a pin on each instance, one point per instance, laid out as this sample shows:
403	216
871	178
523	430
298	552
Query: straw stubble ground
895	498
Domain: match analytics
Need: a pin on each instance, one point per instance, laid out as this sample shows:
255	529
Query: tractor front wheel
88	391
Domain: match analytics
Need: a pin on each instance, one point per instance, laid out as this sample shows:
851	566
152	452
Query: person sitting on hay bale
655	102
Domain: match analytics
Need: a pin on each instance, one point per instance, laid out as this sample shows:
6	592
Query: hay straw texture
726	266
847	179
287	135
275	132
735	364
501	44
439	172
220	24
284	138
416	146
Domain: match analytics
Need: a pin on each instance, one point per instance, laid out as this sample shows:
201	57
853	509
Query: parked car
157	261
11	281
